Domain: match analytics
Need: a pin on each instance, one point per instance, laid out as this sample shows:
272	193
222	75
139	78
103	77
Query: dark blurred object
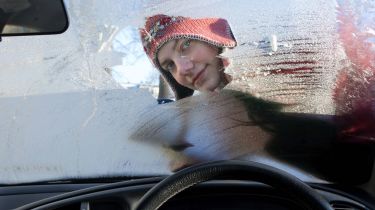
32	17
165	93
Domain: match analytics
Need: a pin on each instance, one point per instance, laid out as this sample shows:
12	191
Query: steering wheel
233	170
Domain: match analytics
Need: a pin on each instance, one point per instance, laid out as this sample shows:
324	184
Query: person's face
193	64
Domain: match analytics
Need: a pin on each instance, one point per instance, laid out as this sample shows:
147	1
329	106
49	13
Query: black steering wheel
232	170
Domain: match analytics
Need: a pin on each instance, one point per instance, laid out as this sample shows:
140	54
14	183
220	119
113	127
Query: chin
212	87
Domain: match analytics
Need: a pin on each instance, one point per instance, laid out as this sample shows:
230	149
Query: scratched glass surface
301	70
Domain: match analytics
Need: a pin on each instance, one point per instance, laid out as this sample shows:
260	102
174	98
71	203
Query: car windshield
106	99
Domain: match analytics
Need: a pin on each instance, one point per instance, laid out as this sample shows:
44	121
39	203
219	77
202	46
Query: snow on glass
317	55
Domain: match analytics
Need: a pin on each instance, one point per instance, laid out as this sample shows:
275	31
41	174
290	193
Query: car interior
305	165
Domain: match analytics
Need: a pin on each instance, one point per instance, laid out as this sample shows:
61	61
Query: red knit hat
159	29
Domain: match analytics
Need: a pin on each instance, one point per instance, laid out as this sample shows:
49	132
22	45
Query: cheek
181	80
214	75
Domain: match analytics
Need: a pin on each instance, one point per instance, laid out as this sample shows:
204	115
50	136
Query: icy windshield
289	83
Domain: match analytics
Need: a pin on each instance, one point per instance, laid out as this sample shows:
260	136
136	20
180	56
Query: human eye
186	44
169	66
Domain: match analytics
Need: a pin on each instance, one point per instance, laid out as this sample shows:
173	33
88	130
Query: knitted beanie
159	29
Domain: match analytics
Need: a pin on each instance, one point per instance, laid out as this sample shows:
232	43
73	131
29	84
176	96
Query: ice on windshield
92	91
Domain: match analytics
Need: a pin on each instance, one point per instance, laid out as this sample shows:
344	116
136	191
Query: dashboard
215	194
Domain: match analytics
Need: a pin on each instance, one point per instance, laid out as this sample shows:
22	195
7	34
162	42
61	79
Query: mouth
196	78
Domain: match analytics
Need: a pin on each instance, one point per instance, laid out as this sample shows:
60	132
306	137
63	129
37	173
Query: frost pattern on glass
58	95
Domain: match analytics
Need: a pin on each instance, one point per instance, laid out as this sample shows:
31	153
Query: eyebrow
173	49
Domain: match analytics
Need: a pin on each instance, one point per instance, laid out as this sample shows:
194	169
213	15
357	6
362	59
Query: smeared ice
354	92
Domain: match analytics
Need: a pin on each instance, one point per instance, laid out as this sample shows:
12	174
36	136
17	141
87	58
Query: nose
184	65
